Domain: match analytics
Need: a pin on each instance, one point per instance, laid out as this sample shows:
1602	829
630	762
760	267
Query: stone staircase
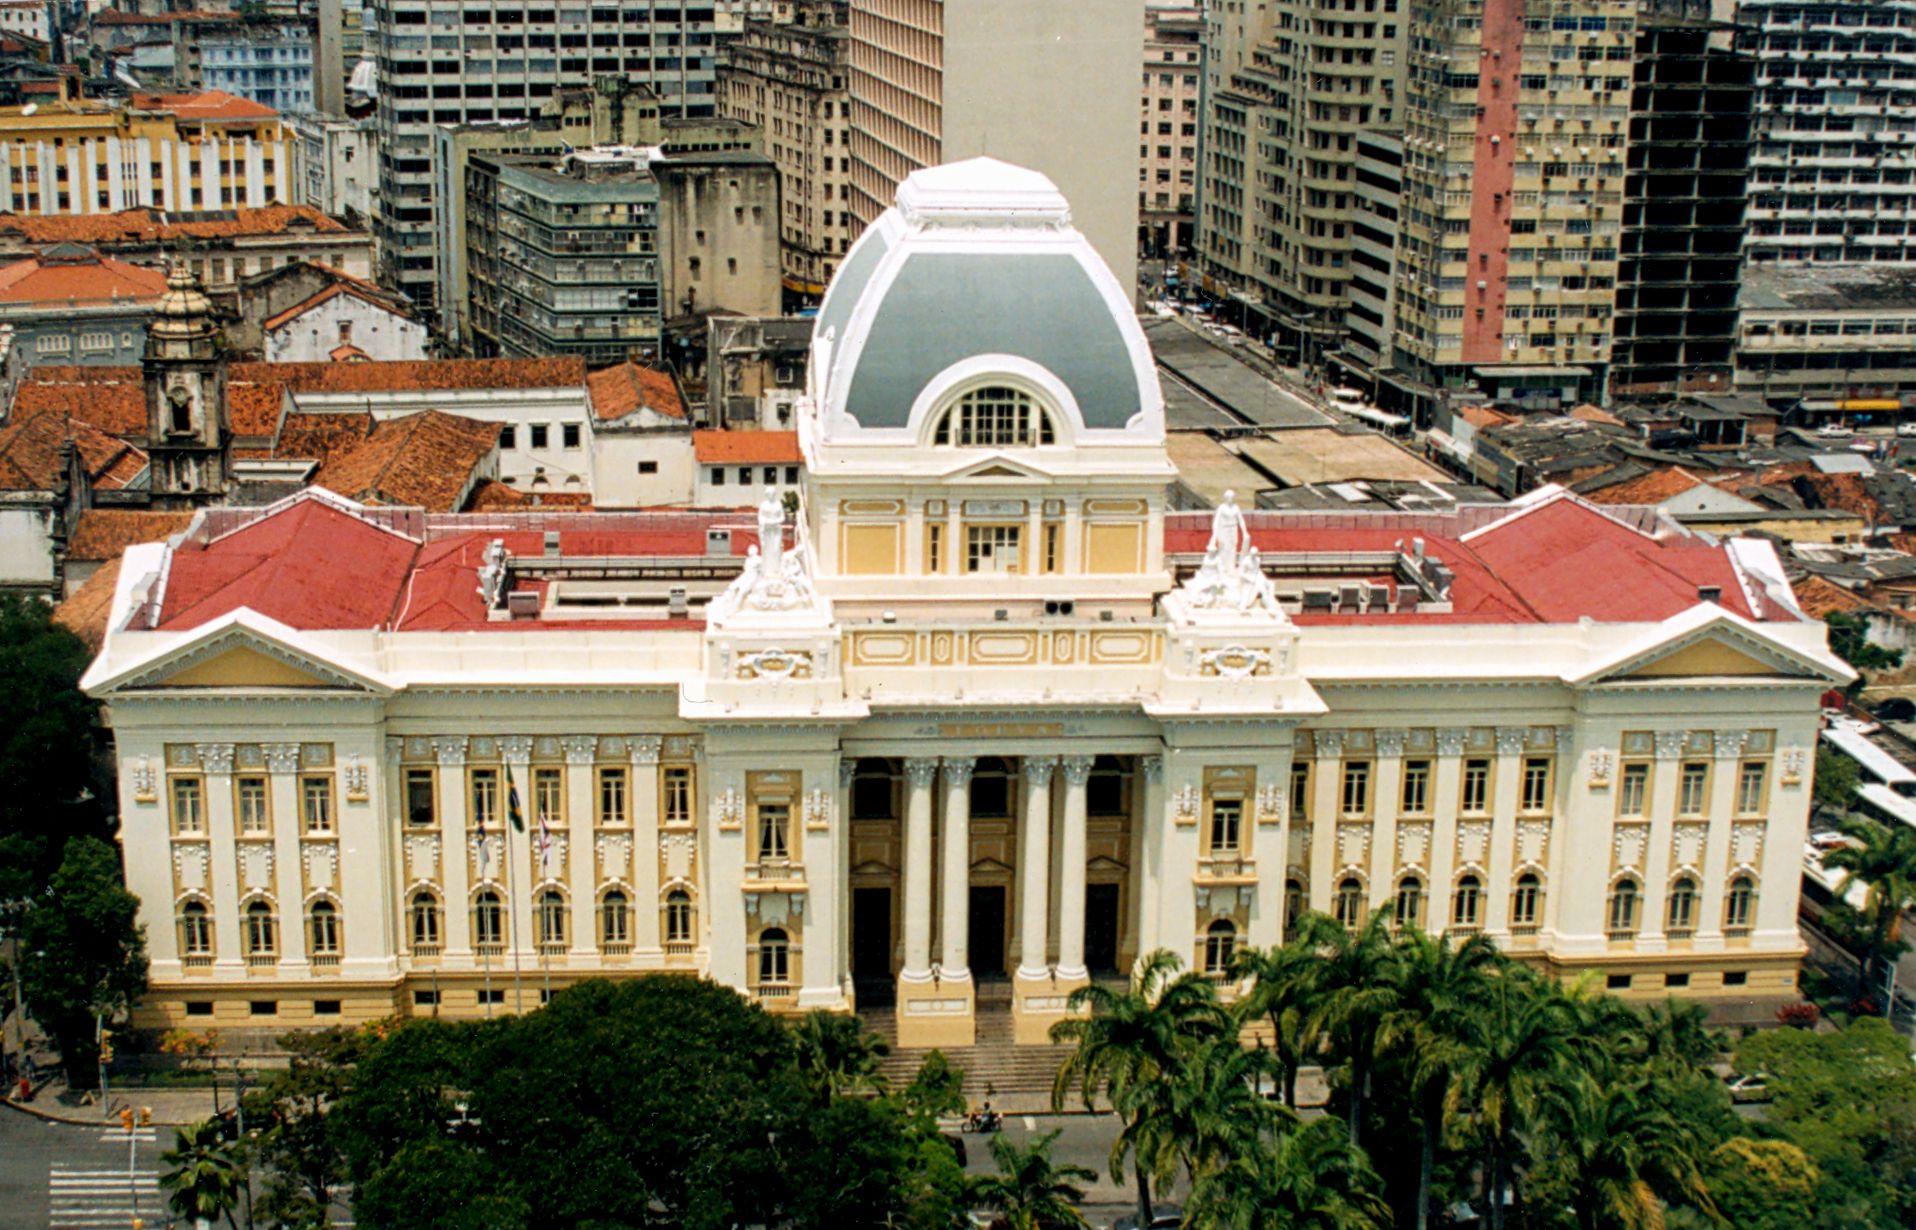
1014	1079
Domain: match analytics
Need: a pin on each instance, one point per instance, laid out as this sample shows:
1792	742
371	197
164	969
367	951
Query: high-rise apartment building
789	78
476	61
1517	125
1168	124
1038	84
1292	86
1833	172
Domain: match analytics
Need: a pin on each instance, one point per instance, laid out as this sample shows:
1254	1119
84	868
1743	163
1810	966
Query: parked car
1833	429
1751	1087
1163	1217
1906	429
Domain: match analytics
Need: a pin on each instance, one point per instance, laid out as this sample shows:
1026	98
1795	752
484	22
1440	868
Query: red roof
144	225
209	105
56	281
418	375
618	391
767	447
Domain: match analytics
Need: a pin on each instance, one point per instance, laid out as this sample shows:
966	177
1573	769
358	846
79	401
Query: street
1085	1140
60	1176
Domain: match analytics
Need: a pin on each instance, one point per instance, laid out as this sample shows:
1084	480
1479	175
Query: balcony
679	950
197	961
776	992
325	963
262	961
1226	869
616	950
774	874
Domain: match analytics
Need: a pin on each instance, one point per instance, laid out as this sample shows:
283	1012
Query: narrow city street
64	1176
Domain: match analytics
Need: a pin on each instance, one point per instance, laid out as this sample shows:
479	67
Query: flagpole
512	898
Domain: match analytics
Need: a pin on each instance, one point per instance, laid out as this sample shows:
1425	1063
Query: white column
842	868
955	908
822	832
1150	878
1327	817
282	761
216	801
1446	779
1506	790
1729	745
581	753
1034	869
454	853
919	772
642	809
1386	797
1077	771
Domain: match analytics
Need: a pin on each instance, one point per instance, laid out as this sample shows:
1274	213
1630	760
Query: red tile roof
111	398
618	391
1820	598
494	496
1652	488
421	375
86	610
746	447
322	437
51	282
31	448
423	460
103	533
143	225
208	105
253	409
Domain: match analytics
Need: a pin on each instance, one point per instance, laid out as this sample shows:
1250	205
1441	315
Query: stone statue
1254	589
1229	534
771	531
1207	585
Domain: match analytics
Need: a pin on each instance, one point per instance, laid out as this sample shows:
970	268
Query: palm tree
1521	1040
204	1174
1357	994
1284	989
1883	857
1311	1177
837	1055
1675	1036
1203	1114
1619	1146
1437	986
1030	1190
1126	1041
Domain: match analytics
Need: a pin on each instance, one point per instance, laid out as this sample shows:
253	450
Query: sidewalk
170	1107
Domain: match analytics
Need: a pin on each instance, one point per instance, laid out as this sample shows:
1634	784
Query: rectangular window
548	797
935	548
774	832
569	435
1633	792
1694	788
1301	790
1416	801
485	798
991	548
1356	787
1476	786
316	804
539	432
189	811
677	803
508	437
252	805
325	1007
611	796
420	807
1053	546
1536	784
1751	780
1227	821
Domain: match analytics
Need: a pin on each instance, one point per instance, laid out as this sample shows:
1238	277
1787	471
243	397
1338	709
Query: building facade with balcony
982	710
1168	126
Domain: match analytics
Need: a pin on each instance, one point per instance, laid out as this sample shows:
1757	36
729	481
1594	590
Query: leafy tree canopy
49	789
82	953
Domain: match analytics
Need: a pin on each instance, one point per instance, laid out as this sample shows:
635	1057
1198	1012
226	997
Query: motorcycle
984	1122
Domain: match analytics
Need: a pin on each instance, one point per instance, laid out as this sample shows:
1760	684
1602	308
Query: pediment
243	666
1698	646
244	651
991	866
1105	863
997	468
1712	656
872	867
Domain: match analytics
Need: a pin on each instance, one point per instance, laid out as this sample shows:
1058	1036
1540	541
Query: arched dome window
995	416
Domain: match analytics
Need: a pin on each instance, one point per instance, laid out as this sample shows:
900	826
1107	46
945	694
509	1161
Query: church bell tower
189	445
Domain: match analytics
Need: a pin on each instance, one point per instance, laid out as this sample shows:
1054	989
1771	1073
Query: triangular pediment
1708	643
991	866
243	666
244	651
1711	656
997	468
872	867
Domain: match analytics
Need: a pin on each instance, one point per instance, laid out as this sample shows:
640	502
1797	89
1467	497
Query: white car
1906	429
1833	429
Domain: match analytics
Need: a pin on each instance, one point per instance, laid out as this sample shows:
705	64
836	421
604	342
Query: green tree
50	784
1883	857
1837	777
83	954
1849	640
1762	1184
1284	990
1357	995
1206	1110
204	1174
1030	1191
300	1150
1619	1153
1126	1044
838	1056
1310	1177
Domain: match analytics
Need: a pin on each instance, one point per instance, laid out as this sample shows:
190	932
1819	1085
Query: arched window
424	912
1468	903
1220	946
1740	905
1523	900
1623	908
996	416
551	919
488	921
678	917
1410	902
1349	906
615	919
262	939
323	924
1293	905
1683	906
196	931
774	957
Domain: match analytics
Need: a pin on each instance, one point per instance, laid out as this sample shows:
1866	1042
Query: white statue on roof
1231	579
1229	534
771	531
773	578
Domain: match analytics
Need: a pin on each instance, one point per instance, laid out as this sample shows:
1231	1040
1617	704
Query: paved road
58	1176
1084	1140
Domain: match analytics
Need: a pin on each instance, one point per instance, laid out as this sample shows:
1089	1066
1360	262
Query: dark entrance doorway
1101	928
987	931
871	934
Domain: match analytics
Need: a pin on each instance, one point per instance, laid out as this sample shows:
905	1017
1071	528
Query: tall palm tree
1125	1041
1205	1112
1357	994
1619	1147
1030	1190
204	1174
1883	857
837	1055
1428	1030
1675	1036
1311	1177
1284	989
1522	1039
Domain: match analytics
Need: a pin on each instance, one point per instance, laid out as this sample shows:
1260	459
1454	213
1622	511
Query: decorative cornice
218	757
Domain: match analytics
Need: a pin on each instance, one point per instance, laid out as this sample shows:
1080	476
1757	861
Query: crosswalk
81	1197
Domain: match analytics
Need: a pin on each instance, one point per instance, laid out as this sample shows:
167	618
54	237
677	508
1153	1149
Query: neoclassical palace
980	709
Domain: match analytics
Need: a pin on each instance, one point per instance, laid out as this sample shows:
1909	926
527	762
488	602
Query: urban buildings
270	62
336	161
69	304
936	82
1830	340
1168	125
788	78
485	61
180	152
985	711
1833	171
590	253
1370	316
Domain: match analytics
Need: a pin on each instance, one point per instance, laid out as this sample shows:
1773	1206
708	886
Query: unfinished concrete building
1684	195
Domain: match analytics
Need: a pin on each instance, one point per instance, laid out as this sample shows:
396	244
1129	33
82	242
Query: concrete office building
788	78
1168	125
479	61
1370	312
1036	84
270	63
1833	172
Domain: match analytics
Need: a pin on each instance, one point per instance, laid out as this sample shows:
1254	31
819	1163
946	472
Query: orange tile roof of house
417	375
756	447
31	449
207	105
424	460
283	318
86	610
50	282
1484	416
113	399
143	225
103	533
495	496
1652	488
618	391
1820	598
253	409
321	437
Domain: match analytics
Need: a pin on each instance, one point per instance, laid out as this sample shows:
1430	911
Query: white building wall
312	336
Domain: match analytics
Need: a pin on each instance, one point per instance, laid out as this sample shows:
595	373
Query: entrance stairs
1014	1079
